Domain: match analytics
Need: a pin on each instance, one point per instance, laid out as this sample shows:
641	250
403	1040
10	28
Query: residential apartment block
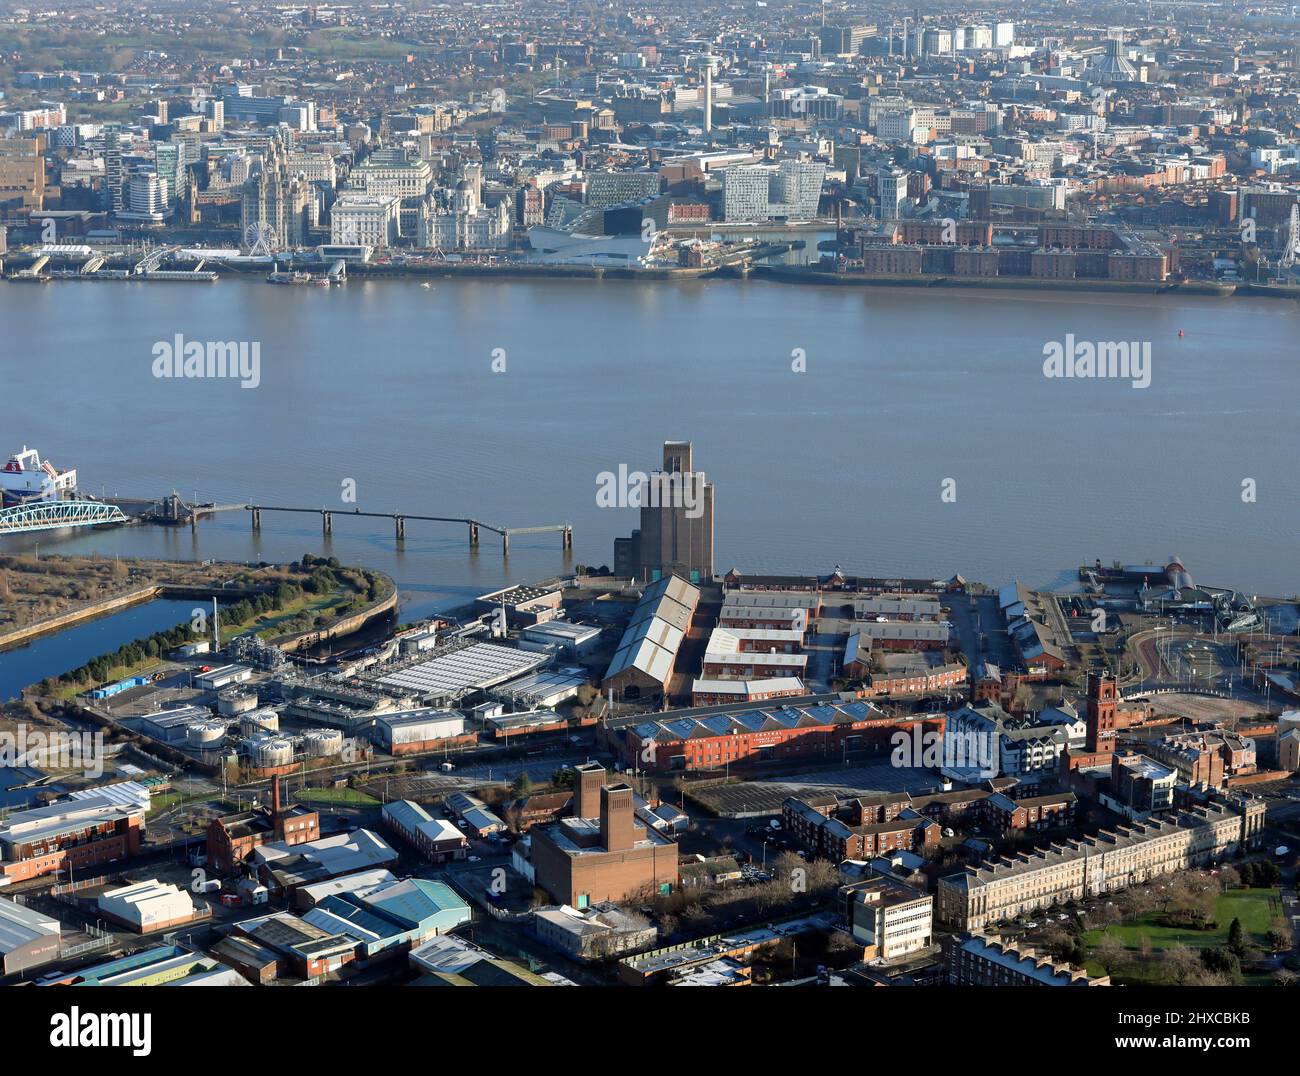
1104	863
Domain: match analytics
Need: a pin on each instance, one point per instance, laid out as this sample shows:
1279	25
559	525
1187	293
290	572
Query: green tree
1237	938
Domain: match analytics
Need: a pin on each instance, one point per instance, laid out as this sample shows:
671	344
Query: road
975	616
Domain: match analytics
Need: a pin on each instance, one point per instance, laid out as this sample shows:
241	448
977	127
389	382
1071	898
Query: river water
390	387
52	655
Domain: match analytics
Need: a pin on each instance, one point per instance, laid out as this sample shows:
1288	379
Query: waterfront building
170	161
458	220
676	532
759	192
147	199
745	193
275	201
369	220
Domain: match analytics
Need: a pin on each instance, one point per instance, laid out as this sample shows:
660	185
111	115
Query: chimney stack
617	828
590	779
275	798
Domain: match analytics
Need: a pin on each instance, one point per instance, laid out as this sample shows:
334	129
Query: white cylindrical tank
258	721
268	751
321	743
205	734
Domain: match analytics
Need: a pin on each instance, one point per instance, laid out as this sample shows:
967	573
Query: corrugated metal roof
20	925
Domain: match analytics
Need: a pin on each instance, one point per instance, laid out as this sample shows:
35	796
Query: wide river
391	385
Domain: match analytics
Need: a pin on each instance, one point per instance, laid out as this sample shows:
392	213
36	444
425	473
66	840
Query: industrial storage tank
266	752
321	743
265	720
205	734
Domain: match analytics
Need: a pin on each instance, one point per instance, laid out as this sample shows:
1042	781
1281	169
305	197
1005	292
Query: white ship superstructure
27	477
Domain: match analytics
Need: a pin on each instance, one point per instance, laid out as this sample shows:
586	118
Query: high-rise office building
114	175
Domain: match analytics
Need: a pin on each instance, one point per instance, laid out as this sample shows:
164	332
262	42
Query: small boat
426	285
297	278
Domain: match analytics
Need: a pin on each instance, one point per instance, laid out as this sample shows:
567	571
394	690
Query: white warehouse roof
478	666
147	904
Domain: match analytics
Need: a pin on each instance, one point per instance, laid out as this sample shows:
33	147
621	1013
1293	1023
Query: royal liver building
276	206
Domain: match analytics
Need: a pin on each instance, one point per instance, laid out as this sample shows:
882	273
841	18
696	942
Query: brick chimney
617	828
275	799
589	780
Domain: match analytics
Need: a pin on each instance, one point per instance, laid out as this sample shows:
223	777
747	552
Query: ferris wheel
260	238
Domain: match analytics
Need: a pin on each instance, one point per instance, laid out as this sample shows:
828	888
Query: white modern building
745	193
760	192
146	199
891	921
891	185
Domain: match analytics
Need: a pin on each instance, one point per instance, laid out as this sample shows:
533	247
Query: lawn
1256	908
158	804
343	797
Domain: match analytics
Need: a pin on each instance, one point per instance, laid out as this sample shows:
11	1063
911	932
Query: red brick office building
760	736
76	834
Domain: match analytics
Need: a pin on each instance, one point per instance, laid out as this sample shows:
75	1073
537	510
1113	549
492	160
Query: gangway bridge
57	515
153	261
565	530
174	509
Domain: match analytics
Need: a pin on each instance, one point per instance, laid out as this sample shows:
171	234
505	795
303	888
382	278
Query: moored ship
25	477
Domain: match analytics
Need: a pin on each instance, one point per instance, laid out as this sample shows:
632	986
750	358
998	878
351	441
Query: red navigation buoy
1180	333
